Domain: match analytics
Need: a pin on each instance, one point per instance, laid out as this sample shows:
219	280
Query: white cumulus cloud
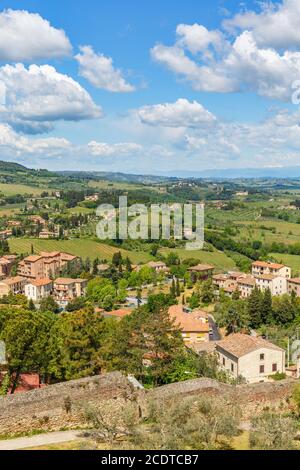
27	36
16	145
99	70
182	113
276	25
37	96
102	149
256	52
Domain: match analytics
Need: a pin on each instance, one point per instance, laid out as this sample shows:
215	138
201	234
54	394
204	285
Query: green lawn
80	247
216	258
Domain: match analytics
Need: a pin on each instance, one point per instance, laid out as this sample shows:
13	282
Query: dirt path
39	440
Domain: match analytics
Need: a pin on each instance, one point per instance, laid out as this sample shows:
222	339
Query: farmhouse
202	271
260	268
250	357
193	325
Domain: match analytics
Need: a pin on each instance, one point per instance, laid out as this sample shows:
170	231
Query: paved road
216	335
40	440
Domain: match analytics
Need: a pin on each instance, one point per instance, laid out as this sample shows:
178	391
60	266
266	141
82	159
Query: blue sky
125	85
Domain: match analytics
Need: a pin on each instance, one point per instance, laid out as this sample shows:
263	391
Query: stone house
252	358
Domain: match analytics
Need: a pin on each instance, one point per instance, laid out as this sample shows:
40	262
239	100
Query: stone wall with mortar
62	406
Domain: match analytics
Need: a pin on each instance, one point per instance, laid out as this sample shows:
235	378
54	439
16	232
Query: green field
285	232
216	258
13	189
79	247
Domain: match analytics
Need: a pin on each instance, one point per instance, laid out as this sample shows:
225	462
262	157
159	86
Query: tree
178	289
76	304
266	307
284	310
233	316
102	292
145	343
117	259
75	344
177	423
31	305
95	267
272	431
254	308
128	265
194	301
172	259
154	249
26	336
173	289
207	292
48	304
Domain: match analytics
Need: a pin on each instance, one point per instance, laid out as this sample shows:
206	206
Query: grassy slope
12	189
79	247
218	259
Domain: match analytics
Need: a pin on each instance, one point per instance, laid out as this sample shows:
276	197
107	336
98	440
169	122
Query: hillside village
242	355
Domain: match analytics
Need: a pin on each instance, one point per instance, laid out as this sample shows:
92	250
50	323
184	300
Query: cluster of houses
273	276
240	355
38	278
35	220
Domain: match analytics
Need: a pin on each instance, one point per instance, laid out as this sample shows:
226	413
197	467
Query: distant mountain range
231	173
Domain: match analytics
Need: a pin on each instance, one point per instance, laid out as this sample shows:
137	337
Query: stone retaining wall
62	406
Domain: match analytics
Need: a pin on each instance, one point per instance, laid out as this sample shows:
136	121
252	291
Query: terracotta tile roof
208	347
220	277
263	264
236	274
32	258
53	254
239	344
248	281
294	280
202	267
158	264
266	277
64	281
13	280
41	282
196	321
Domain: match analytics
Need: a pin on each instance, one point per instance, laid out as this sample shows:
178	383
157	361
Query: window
274	368
223	361
261	369
262	357
232	367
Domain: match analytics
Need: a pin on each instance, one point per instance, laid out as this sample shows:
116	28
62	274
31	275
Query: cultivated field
13	189
216	258
79	247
